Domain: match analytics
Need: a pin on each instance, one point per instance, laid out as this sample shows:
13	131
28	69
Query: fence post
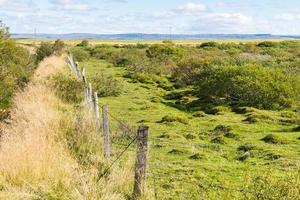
141	162
85	87
106	132
90	95
96	109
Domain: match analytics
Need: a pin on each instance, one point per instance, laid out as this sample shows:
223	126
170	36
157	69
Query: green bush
80	54
209	44
249	85
47	49
68	88
44	50
83	43
106	85
58	47
16	66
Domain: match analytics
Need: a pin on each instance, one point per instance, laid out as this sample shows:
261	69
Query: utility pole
170	29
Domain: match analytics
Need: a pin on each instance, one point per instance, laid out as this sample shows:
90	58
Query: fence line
92	102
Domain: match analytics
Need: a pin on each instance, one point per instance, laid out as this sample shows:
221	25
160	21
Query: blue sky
152	16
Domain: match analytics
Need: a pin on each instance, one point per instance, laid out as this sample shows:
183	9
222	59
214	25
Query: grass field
189	157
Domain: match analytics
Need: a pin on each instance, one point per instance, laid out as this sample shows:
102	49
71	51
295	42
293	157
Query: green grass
174	170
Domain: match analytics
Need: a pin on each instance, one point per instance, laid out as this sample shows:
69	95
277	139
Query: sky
152	16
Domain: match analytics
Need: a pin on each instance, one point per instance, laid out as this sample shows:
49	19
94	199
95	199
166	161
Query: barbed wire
117	158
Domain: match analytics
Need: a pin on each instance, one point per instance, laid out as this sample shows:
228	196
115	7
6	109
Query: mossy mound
246	147
190	136
219	140
170	118
222	129
196	156
259	116
176	151
199	114
274	139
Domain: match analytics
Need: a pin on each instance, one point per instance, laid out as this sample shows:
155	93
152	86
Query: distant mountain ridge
141	36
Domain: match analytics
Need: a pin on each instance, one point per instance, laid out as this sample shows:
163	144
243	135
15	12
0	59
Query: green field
184	161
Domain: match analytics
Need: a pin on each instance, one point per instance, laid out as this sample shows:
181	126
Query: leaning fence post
97	115
106	132
141	162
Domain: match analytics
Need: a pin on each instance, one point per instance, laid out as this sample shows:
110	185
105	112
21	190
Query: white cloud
287	17
192	7
232	18
70	5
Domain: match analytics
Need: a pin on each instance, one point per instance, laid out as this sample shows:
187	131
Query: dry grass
35	159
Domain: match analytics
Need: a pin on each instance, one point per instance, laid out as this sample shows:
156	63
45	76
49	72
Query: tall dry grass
37	155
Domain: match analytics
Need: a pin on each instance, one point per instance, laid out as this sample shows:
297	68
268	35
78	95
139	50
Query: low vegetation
220	114
16	66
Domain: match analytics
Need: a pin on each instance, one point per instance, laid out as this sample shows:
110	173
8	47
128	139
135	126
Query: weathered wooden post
106	132
85	87
141	162
97	115
90	95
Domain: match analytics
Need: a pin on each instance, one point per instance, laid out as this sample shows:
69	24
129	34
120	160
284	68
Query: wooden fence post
106	132
85	87
141	162
97	115
90	95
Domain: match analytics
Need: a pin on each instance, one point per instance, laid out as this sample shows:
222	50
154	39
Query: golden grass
35	161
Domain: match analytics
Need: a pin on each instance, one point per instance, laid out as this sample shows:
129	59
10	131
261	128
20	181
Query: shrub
164	52
249	85
44	50
83	43
267	44
209	44
68	88
16	65
58	47
106	85
80	54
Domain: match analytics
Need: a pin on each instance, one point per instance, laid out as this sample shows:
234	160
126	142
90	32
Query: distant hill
140	36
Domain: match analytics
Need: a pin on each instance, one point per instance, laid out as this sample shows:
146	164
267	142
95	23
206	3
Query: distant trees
83	43
4	31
